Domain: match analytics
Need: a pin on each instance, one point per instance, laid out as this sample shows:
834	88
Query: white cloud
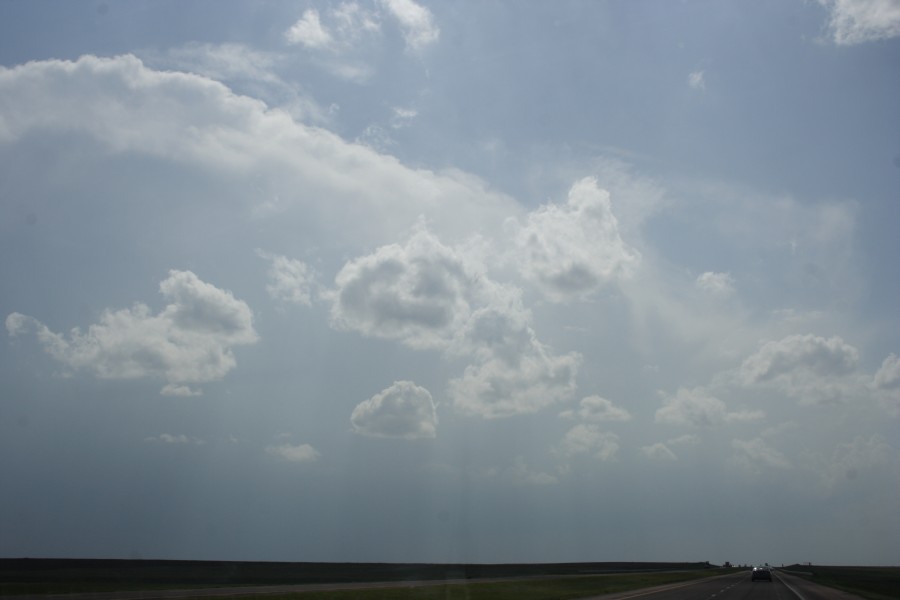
404	410
420	293
696	81
810	368
430	296
189	341
222	62
756	453
309	32
341	41
200	124
589	439
596	409
569	251
717	284
857	21
698	408
658	451
301	453
794	353
291	280
416	21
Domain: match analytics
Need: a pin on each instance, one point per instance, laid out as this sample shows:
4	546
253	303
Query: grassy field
874	583
60	576
534	589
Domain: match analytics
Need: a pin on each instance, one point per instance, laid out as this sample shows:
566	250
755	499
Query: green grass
530	589
873	583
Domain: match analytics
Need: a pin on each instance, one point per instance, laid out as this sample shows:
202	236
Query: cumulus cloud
300	453
794	353
596	409
416	21
419	293
857	21
189	341
290	280
699	408
404	410
570	250
717	284
589	439
808	367
756	454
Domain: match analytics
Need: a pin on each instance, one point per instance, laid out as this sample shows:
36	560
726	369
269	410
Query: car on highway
761	573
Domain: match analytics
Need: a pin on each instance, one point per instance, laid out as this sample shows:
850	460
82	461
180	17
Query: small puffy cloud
290	280
696	81
808	353
857	21
404	410
570	250
189	341
698	408
596	409
300	453
589	439
756	454
419	293
717	284
168	438
658	451
416	21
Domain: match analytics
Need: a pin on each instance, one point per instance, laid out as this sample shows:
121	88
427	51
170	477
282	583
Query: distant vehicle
761	573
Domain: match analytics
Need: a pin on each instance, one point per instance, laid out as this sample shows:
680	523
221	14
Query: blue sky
483	282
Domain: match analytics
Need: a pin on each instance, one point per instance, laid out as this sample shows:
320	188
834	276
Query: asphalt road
736	586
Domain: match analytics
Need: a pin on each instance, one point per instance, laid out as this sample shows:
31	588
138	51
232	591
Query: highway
736	586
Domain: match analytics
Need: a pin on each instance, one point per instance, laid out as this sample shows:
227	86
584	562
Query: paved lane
736	586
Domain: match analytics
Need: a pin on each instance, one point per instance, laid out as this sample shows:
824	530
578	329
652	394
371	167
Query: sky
407	281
